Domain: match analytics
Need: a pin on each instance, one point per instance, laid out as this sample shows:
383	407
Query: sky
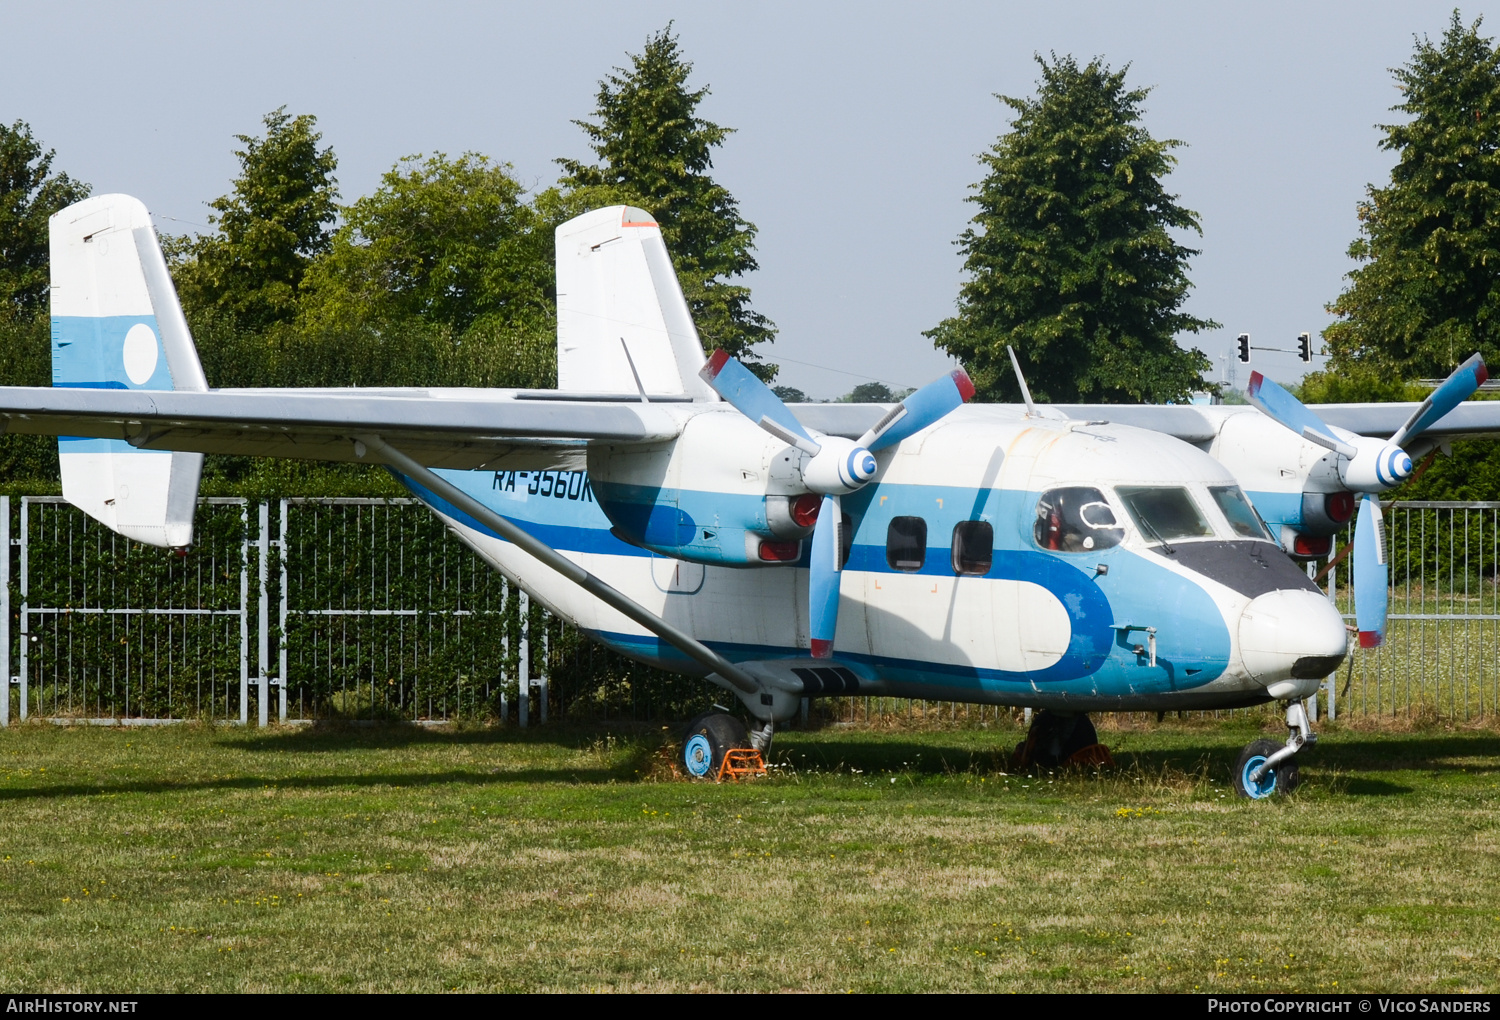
857	129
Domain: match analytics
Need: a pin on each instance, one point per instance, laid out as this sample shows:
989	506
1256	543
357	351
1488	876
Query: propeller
832	466
1369	466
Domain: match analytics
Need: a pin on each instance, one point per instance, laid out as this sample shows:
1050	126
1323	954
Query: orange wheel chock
741	762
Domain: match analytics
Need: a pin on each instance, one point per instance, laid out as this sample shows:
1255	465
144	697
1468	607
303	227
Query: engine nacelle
724	493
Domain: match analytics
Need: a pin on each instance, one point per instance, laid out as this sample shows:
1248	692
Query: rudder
617	292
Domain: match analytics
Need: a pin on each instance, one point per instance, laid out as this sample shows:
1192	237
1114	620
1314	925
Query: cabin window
1164	513
1237	509
906	543
1076	519
973	547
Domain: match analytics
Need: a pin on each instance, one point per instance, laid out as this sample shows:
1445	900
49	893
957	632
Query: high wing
445	428
1196	424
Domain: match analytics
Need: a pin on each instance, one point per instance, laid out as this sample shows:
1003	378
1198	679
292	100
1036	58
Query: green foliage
449	241
273	225
1424	297
1070	258
28	464
655	151
29	194
790	394
869	393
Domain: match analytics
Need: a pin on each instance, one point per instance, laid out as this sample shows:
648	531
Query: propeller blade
1371	573
754	399
920	410
1457	388
823	578
1279	405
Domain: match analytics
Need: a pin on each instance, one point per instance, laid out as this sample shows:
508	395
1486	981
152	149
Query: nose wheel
1266	768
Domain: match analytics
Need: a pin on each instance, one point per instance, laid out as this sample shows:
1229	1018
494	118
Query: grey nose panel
1250	568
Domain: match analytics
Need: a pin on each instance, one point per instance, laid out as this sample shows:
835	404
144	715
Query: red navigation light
805	509
1306	545
1339	506
780	552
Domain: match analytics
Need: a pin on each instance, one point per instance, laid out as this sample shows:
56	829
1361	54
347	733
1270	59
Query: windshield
1163	513
1241	515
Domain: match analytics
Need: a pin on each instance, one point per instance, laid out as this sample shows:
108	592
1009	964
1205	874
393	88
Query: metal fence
363	608
292	609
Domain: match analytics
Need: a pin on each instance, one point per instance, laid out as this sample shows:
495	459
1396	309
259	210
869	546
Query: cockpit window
1242	516
1075	519
1164	513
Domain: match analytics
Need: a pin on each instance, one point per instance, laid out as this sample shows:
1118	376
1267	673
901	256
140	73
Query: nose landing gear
1266	768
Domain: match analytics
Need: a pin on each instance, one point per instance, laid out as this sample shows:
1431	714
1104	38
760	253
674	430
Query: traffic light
1244	354
1304	346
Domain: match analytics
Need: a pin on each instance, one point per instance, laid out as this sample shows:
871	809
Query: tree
654	148
29	194
1424	296
1070	258
446	240
869	393
273	225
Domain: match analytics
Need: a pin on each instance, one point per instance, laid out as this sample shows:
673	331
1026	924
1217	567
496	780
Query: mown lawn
194	858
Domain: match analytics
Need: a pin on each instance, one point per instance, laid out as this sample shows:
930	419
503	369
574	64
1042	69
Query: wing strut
596	587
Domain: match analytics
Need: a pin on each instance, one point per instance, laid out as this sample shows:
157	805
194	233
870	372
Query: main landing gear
713	735
1266	768
1060	738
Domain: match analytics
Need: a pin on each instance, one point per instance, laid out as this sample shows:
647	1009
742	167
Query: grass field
194	858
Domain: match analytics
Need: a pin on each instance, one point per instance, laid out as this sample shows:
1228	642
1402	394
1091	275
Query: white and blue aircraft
1073	559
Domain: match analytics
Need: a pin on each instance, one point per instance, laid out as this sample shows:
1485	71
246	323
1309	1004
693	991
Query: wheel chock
741	763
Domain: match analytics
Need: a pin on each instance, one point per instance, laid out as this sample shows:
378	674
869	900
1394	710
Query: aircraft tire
1068	733
1280	780
706	740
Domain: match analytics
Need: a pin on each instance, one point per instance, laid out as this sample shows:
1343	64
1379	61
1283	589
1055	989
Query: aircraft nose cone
1394	465
860	467
1291	640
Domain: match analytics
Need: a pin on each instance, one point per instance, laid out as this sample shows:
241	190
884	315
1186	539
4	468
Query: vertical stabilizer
615	283
117	324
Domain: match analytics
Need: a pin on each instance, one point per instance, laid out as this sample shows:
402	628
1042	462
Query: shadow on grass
394	780
343	736
1350	755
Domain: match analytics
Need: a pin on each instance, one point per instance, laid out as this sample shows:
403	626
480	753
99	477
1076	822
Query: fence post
545	670
244	612
1332	682
281	618
25	591
4	610
262	613
523	695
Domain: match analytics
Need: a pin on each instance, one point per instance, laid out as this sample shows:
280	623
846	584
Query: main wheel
1055	737
1281	779
707	738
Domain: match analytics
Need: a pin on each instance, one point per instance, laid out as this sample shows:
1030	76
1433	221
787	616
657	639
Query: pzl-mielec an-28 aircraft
1070	559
